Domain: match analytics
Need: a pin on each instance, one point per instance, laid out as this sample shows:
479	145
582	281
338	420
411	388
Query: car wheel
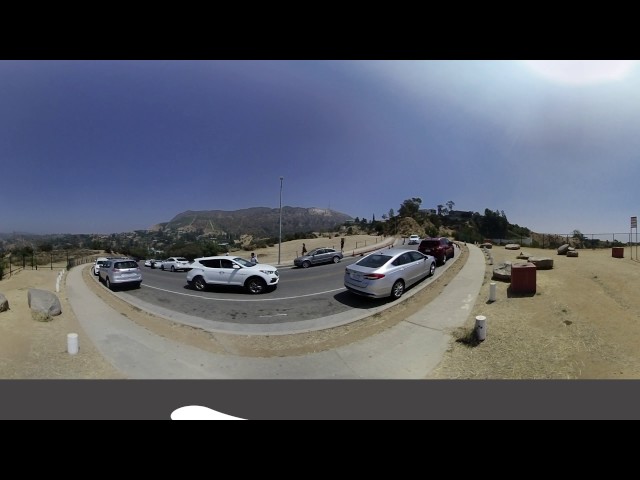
161	267
173	269
199	284
306	264
108	283
444	259
138	284
256	285
432	269
398	289
336	259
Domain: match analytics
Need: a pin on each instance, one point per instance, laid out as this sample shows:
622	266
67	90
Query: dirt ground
582	322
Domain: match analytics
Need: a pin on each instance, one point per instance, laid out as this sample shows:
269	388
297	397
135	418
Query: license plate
357	276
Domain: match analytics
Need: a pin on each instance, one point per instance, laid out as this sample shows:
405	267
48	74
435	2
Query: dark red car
440	247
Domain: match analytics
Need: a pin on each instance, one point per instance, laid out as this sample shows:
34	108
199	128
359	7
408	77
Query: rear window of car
374	260
430	243
182	259
102	262
122	265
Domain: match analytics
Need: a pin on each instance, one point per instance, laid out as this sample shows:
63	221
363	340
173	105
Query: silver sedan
387	273
317	256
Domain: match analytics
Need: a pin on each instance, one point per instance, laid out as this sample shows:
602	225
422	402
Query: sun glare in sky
582	72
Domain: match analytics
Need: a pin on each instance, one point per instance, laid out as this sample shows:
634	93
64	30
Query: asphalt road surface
302	294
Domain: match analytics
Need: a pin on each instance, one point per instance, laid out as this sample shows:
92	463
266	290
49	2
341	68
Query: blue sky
115	146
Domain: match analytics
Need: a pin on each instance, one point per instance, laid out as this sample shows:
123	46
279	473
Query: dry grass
582	322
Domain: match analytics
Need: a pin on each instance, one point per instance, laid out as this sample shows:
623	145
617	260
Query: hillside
257	221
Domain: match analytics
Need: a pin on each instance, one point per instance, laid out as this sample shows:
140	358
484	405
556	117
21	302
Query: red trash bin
523	278
617	252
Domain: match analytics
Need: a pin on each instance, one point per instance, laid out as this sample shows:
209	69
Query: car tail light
374	276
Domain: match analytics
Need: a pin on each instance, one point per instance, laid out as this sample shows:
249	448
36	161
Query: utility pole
280	239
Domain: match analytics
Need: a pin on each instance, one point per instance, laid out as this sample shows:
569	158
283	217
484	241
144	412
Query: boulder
542	263
572	253
512	246
562	249
486	245
44	305
4	303
523	256
502	272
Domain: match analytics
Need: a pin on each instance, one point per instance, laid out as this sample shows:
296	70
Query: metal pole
280	239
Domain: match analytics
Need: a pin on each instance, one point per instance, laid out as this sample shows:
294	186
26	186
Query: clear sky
115	146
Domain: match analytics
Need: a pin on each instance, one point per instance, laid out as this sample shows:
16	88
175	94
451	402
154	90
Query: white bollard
492	292
72	343
58	280
481	331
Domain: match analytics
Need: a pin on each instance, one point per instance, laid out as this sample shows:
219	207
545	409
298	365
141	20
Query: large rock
512	246
44	305
572	253
4	303
563	249
542	263
502	272
523	256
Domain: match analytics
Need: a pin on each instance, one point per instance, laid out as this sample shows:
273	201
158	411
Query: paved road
306	300
409	350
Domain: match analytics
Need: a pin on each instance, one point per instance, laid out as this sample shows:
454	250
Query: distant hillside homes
257	221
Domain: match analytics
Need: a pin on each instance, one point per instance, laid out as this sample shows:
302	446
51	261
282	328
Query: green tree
410	207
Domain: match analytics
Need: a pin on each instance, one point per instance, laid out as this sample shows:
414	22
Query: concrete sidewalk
409	350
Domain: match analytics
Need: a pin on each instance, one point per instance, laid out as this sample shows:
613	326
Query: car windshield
374	260
243	262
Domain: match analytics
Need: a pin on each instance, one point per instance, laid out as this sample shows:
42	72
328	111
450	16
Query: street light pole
280	241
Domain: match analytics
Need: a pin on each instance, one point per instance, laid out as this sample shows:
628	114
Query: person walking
342	244
254	259
304	249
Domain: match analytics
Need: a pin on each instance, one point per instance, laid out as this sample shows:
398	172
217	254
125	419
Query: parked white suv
414	240
175	263
225	270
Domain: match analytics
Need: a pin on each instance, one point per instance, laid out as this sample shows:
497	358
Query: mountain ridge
259	221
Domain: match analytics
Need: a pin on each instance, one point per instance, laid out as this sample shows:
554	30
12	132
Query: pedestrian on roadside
304	249
254	259
342	244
